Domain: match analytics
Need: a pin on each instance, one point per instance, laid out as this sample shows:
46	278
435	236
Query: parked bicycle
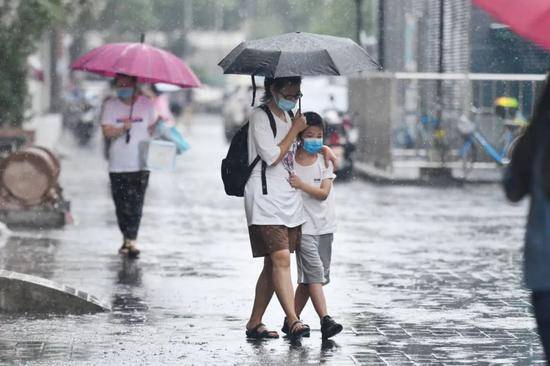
512	123
428	134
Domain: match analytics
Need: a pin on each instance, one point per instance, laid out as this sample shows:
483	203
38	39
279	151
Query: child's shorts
313	258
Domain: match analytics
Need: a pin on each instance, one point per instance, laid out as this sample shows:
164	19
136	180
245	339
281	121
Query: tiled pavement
421	276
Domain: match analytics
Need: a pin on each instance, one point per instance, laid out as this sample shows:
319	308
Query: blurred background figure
160	101
529	174
80	111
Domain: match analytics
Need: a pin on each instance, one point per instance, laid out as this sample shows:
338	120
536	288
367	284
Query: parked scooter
341	137
80	116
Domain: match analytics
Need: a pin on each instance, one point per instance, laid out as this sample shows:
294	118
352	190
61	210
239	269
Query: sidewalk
421	276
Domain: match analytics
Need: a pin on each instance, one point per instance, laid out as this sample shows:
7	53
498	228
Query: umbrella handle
253	91
130	116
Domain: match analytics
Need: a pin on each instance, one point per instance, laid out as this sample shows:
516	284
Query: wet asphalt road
420	276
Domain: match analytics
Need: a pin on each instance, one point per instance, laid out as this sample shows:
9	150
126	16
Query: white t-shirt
320	215
124	157
282	205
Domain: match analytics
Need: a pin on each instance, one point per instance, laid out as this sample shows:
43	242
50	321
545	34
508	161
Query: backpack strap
273	125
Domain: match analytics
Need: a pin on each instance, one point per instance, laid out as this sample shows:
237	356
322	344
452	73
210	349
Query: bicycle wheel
468	160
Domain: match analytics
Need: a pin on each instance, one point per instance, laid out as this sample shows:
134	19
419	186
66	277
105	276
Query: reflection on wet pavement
420	276
128	308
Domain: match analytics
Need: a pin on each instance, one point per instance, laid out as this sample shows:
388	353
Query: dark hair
132	78
278	84
313	120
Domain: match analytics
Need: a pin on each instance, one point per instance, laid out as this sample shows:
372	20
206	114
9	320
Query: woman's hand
127	124
329	156
113	132
295	181
299	122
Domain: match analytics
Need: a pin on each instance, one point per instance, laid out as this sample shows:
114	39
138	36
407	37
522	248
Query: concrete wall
371	106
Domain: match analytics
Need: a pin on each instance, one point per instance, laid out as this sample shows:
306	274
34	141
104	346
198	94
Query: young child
313	256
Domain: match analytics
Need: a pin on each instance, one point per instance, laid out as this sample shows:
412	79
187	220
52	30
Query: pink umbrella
528	18
149	64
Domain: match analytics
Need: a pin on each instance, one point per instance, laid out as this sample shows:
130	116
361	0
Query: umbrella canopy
530	19
149	64
298	54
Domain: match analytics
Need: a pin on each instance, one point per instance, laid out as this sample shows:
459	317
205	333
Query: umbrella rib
279	53
172	68
101	52
333	63
149	66
126	53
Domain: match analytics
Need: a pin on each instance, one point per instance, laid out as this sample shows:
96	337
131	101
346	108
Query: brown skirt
266	239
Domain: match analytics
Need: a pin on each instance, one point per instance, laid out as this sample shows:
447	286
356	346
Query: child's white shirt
320	215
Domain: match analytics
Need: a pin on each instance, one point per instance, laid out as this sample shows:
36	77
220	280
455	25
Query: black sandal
286	330
254	333
303	331
129	250
133	252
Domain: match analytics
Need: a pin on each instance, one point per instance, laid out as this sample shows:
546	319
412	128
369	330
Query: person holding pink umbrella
127	120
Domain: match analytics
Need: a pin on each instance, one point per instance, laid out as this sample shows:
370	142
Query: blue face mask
125	93
285	104
313	146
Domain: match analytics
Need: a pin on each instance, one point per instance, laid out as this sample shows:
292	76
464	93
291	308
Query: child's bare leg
318	299
301	298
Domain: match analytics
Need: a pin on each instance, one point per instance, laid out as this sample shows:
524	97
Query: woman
529	173
127	121
273	208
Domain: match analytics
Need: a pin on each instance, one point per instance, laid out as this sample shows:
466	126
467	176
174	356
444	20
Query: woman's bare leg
264	293
283	283
301	298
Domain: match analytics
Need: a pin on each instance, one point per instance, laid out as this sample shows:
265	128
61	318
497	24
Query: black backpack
235	168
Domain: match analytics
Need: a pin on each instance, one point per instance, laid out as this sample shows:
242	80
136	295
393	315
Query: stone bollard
22	293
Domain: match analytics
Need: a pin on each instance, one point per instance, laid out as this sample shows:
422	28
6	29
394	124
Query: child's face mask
313	145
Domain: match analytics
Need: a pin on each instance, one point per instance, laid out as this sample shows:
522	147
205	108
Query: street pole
187	24
441	65
359	20
381	35
55	51
440	144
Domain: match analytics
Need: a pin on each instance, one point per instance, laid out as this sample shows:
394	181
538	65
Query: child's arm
319	193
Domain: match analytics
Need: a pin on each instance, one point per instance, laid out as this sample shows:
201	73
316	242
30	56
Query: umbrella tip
142	38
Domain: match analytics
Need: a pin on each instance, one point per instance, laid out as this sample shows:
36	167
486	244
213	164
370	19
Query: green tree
333	17
21	25
126	20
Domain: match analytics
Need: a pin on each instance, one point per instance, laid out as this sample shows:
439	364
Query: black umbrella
298	54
